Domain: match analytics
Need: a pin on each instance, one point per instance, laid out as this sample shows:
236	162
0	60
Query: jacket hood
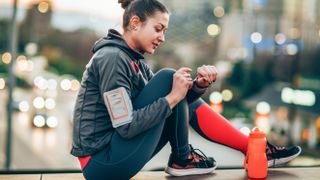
114	39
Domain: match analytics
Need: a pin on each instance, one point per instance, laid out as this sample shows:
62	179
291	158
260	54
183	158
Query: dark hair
140	8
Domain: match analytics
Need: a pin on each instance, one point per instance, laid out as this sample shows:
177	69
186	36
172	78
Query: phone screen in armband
119	106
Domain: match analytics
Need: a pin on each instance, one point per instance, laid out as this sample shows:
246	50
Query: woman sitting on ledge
125	114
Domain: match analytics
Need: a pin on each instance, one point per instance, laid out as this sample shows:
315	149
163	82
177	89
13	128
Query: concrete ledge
240	174
20	176
77	176
230	174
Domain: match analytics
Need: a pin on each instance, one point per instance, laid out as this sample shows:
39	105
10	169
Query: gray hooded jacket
110	68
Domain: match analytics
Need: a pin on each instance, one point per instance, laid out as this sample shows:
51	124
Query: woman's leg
171	134
176	130
122	159
214	127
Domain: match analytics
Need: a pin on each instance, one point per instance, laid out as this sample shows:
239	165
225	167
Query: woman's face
151	33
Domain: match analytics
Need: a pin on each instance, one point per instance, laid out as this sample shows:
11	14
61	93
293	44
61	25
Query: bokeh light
22	63
6	58
39	121
215	97
65	84
2	83
245	131
263	107
213	30
292	49
52	122
21	58
256	37
280	38
299	97
24	106
38	102
40	82
43	7
218	11
50	103
227	95
75	85
31	49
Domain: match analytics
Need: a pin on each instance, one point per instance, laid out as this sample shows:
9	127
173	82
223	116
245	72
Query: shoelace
202	155
271	148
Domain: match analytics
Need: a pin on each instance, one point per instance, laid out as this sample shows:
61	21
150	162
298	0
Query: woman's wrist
199	85
172	100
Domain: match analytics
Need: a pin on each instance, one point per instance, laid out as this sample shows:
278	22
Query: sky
106	9
73	14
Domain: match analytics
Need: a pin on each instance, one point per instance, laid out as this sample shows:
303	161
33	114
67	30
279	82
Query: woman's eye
158	30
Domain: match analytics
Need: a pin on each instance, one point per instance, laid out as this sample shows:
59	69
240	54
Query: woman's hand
206	74
182	82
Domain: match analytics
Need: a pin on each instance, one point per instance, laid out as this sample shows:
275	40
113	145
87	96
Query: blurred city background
267	53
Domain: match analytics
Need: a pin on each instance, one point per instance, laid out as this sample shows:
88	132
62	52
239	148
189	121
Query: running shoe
280	155
197	163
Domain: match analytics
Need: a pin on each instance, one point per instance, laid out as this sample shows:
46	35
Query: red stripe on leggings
84	161
219	129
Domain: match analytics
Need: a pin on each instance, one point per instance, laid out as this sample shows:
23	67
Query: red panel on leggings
220	130
84	161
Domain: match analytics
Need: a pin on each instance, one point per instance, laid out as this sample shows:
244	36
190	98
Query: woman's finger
211	73
187	76
201	71
206	73
184	70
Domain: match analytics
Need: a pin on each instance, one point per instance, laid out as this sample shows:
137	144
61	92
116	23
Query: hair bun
124	3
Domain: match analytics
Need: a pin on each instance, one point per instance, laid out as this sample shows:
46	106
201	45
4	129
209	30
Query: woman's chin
150	51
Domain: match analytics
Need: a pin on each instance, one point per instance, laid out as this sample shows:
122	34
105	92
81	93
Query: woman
125	114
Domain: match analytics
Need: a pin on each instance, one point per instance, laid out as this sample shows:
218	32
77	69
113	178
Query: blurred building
294	116
37	22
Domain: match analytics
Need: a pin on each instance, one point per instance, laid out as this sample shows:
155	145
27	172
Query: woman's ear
135	23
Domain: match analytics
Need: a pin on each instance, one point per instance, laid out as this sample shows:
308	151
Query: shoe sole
276	162
185	172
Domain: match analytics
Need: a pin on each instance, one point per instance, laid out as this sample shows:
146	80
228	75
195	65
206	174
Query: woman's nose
161	38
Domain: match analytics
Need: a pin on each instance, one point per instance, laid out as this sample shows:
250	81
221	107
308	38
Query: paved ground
229	174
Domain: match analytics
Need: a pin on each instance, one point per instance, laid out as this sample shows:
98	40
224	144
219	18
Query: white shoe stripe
185	172
276	162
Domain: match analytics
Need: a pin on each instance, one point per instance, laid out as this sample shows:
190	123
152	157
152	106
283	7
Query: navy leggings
122	159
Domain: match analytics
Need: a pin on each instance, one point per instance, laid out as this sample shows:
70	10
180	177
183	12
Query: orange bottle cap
257	133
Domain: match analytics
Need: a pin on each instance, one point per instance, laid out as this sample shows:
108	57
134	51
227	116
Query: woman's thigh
124	158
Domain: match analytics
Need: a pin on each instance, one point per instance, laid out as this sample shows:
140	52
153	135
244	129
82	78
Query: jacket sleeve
195	93
147	70
115	72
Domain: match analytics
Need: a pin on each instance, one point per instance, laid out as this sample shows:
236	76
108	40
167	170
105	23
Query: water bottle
256	162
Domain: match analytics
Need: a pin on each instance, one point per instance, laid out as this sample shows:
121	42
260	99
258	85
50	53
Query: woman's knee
194	105
166	73
159	86
162	80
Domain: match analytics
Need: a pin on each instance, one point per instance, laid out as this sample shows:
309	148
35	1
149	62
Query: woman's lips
155	45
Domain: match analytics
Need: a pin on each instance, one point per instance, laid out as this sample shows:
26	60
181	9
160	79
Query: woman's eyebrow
163	26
